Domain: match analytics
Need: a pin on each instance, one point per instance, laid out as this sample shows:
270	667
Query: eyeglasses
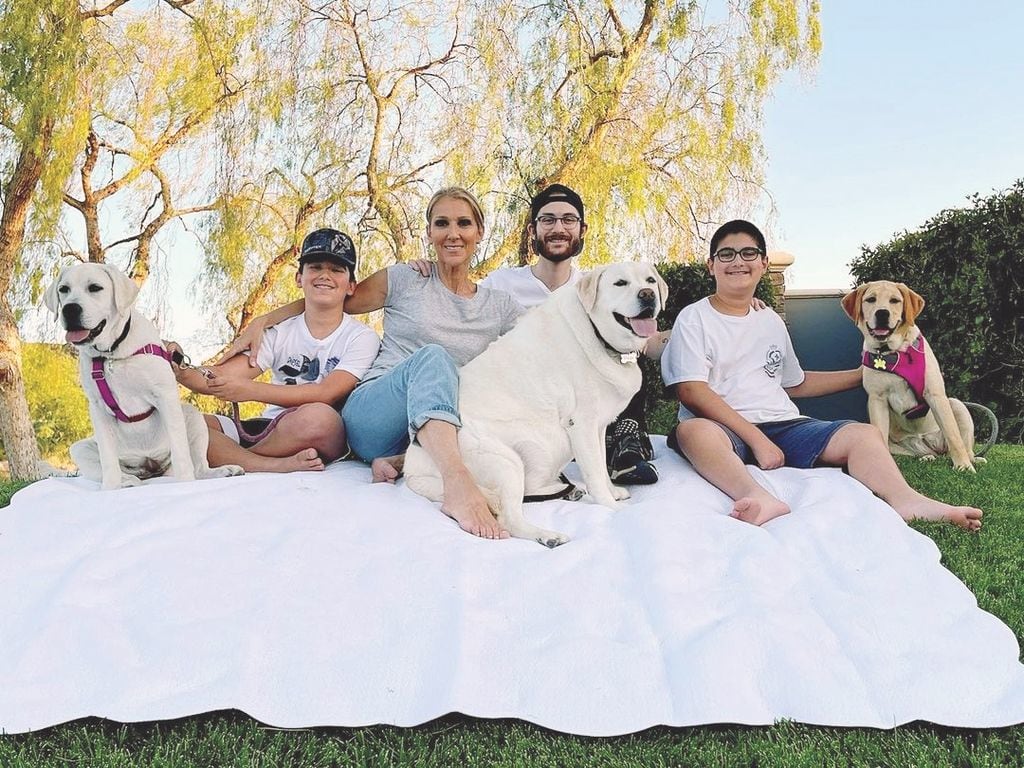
725	255
569	220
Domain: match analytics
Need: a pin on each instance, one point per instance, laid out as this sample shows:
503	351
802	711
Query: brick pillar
777	263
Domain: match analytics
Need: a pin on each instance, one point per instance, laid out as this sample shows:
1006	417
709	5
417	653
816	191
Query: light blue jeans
382	416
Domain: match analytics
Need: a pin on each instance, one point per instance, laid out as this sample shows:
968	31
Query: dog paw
551	539
227	470
129	481
927	457
620	493
980	460
968	467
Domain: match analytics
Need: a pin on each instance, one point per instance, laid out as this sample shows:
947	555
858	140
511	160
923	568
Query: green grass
991	564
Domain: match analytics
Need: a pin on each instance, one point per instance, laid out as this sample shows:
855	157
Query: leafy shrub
964	262
56	403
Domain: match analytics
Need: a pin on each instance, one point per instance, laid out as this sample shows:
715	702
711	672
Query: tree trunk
16	430
15	423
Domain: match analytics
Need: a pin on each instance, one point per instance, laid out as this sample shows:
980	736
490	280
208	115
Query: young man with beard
556	230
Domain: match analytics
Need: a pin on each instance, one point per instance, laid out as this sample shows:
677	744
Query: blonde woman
431	327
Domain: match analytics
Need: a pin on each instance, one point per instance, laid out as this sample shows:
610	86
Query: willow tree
650	109
345	140
50	59
150	119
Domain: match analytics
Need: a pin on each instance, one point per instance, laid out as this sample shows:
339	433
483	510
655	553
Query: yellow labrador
906	394
545	391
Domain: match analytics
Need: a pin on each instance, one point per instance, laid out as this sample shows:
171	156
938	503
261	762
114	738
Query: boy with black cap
557	228
734	372
316	359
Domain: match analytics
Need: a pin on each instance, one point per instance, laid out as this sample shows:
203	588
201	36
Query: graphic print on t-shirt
773	360
306	368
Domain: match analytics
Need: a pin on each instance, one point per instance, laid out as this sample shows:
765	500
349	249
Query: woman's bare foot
466	505
921	507
759	509
387	469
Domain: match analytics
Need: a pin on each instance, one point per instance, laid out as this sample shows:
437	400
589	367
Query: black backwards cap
553	194
328	245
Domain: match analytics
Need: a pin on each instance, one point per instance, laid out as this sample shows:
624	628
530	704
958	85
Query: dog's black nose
647	296
72	314
882	318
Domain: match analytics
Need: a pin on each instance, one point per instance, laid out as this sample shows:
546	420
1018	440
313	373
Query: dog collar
909	366
624	357
99	375
123	335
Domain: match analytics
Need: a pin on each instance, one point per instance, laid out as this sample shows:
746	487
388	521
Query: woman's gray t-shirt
421	310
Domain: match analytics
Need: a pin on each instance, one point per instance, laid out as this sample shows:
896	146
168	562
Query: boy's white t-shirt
523	284
295	357
746	360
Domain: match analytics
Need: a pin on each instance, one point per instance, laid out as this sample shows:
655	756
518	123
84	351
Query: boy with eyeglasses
556	230
734	372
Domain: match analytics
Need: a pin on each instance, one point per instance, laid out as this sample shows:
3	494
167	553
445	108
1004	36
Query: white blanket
321	599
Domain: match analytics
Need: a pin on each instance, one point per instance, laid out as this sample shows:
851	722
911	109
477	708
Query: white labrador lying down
545	392
94	304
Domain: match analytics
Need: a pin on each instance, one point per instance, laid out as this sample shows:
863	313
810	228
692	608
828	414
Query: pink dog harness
99	375
909	366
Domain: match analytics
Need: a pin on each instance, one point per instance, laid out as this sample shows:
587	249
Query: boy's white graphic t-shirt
747	360
296	357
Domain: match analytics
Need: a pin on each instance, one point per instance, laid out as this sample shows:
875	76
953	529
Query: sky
914	105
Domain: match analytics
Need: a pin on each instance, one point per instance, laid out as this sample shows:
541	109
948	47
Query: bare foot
758	510
306	460
466	505
922	508
387	469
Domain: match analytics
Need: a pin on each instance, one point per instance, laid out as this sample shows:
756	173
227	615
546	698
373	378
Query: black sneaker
628	454
641	473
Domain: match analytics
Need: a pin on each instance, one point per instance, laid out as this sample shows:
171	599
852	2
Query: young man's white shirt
296	357
525	287
746	360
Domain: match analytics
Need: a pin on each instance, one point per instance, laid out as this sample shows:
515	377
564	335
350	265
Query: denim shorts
801	440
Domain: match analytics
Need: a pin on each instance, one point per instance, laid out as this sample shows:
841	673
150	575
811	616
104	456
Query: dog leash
183	361
99	375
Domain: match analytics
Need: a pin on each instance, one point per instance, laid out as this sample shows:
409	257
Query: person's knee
861	434
316	423
703	431
212	422
434	356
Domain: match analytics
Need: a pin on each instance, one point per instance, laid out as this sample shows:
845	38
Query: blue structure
826	340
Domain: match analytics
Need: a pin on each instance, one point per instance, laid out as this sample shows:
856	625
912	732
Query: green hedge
687	283
56	402
965	263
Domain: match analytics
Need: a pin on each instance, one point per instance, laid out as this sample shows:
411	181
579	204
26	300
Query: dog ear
912	304
587	288
662	287
50	299
125	289
851	303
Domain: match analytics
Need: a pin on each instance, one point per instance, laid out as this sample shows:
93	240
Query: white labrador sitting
94	304
545	392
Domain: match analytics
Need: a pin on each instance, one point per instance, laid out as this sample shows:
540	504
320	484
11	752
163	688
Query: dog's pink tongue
73	337
644	326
